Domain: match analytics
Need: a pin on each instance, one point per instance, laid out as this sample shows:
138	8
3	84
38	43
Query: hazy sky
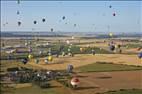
94	16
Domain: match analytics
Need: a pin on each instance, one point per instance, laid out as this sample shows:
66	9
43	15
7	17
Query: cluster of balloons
114	14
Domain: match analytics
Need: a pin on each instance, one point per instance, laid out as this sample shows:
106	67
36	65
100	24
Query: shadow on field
90	87
81	76
55	86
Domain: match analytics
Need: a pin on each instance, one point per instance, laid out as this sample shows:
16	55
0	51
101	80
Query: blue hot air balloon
140	55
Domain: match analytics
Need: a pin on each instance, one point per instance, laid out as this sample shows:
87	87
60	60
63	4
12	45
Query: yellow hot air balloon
30	56
116	46
81	49
110	34
50	58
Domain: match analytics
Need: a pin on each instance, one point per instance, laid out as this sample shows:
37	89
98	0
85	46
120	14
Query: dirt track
80	60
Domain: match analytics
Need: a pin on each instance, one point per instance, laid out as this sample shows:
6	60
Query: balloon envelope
43	20
30	56
140	55
63	17
110	34
35	22
50	58
114	14
24	61
51	29
19	23
18	12
18	1
112	47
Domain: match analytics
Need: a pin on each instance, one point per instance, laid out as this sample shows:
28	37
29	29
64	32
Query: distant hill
65	34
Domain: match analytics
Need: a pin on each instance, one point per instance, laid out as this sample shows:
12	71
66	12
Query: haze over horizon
89	16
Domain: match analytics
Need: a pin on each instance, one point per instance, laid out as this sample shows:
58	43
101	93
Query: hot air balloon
18	12
72	37
43	20
112	47
81	49
30	56
75	82
35	22
114	14
51	29
74	25
110	34
24	61
70	68
63	17
36	61
18	1
93	51
140	55
19	23
69	50
68	42
63	53
46	61
50	58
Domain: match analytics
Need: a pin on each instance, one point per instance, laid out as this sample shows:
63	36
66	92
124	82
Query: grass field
105	67
30	90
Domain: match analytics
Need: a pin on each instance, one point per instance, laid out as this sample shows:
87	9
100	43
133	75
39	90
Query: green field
106	67
55	49
131	91
30	90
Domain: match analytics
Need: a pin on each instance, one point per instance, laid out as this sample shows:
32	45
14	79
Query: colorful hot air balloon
75	82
